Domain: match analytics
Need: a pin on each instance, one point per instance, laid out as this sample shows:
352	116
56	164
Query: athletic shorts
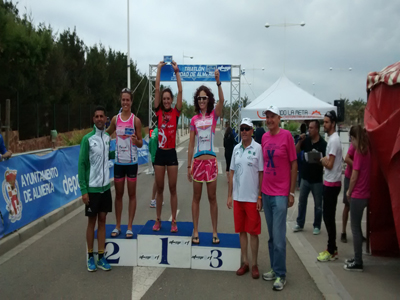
346	188
122	171
246	217
166	157
98	202
205	170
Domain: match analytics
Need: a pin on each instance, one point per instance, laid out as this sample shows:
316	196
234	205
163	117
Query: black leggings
228	158
330	197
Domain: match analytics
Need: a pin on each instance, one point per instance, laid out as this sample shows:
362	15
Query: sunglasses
126	90
202	98
245	128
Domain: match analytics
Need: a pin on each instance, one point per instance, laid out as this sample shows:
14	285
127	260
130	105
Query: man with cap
279	183
246	175
332	163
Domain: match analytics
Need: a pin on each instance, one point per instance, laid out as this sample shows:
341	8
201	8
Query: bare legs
253	246
172	172
212	198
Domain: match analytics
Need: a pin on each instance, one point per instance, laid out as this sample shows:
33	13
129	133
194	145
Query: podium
164	248
224	256
120	251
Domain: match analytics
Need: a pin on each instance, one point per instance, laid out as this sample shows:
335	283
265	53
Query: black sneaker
349	261
354	267
343	238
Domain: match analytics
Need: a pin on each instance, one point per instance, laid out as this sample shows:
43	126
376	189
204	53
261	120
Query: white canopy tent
293	103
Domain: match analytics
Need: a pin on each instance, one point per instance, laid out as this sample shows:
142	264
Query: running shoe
326	256
157	225
174	227
316	231
153	203
297	228
103	264
269	275
279	284
91	266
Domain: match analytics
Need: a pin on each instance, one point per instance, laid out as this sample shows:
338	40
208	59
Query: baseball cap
246	121
273	109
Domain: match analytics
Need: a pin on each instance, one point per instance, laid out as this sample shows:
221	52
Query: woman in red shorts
166	158
204	167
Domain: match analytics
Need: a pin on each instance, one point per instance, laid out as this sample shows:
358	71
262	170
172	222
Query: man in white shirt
246	176
332	163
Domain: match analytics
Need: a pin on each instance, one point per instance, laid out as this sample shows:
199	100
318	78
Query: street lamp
284	25
128	54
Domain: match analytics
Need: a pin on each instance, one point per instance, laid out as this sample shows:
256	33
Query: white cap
247	121
273	109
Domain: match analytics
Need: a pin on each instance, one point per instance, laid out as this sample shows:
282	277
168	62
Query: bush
76	137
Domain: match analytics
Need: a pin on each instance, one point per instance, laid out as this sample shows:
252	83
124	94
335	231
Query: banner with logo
33	186
196	72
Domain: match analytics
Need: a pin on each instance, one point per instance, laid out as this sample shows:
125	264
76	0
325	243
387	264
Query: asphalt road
54	266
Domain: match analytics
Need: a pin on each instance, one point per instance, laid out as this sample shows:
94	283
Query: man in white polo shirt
246	176
332	163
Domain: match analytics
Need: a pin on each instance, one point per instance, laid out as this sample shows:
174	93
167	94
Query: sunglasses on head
245	128
126	90
202	98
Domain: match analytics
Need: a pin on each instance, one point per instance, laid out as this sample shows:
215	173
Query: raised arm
179	83
157	91
220	104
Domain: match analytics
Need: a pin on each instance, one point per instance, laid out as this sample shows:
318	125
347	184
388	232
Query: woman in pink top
279	183
358	193
204	167
347	174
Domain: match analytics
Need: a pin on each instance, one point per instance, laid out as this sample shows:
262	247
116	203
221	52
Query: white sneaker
153	203
297	228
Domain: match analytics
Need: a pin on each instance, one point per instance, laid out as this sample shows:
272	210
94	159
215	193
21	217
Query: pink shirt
204	127
349	168
362	163
278	151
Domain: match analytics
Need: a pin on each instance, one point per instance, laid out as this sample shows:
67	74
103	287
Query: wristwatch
219	83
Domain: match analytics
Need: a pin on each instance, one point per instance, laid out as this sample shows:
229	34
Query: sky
359	34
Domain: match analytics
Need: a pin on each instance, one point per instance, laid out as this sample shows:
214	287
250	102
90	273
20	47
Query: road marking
177	213
216	149
219	168
142	279
179	149
180	163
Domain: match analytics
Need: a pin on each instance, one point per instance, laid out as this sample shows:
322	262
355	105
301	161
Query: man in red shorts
246	176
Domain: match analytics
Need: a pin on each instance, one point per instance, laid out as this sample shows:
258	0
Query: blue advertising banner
196	72
33	186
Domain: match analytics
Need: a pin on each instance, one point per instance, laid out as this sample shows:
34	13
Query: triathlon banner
33	186
196	72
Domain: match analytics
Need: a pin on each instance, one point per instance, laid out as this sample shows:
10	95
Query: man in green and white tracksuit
94	181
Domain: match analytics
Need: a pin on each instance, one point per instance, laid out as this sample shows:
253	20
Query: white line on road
180	163
219	168
177	213
179	149
216	149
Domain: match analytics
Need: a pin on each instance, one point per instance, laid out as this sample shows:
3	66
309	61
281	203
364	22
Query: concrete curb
21	235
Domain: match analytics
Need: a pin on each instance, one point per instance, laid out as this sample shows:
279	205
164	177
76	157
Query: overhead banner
33	186
196	72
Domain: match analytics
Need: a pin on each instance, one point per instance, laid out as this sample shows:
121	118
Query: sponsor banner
196	72
33	186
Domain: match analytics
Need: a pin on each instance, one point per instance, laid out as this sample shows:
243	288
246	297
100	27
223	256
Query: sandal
215	240
195	240
116	232
129	234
